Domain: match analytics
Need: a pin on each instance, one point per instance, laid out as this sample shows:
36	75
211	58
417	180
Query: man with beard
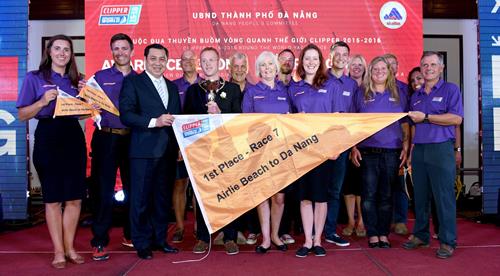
286	60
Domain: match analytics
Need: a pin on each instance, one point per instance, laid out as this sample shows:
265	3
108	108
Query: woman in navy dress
314	94
59	154
269	95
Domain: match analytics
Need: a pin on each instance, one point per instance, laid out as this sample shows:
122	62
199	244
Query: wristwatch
426	119
459	149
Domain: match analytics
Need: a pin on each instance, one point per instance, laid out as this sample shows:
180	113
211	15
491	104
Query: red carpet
28	252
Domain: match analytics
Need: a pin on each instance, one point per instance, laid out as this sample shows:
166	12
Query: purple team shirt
260	98
348	88
444	98
391	136
34	87
111	80
183	85
306	98
403	86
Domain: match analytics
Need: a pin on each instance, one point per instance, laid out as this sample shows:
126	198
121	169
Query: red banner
370	28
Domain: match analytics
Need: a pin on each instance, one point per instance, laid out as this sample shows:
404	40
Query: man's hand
213	108
403	157
416	116
458	158
164	120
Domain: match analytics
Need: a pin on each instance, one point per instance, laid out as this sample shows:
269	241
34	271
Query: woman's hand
356	157
49	96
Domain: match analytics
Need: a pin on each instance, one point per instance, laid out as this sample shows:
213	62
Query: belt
378	150
119	131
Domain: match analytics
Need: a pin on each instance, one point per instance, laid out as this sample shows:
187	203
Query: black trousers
202	231
151	198
109	153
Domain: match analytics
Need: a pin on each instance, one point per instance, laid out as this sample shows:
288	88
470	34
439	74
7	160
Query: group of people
141	144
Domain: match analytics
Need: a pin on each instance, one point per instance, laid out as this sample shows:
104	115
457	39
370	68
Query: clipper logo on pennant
120	14
195	127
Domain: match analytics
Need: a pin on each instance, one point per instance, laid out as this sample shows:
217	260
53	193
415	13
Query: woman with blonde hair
382	154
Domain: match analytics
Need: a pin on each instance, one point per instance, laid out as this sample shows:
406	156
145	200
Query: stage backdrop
369	27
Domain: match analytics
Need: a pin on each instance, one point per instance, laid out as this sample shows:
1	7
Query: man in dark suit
147	102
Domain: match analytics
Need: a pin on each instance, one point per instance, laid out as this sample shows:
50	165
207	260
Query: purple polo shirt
110	80
261	98
183	85
34	87
444	98
306	98
391	136
348	88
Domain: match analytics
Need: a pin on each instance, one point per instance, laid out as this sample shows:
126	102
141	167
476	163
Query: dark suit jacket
139	103
196	99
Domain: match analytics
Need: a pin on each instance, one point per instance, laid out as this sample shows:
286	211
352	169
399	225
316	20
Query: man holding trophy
213	95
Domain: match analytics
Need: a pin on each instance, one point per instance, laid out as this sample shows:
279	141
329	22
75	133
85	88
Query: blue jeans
339	169
400	201
434	177
379	176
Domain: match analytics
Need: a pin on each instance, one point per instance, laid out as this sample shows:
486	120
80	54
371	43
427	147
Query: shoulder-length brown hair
320	77
71	70
390	82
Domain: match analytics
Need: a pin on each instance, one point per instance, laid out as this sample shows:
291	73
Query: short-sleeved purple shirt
261	98
348	88
391	136
110	80
306	98
444	98
183	85
35	86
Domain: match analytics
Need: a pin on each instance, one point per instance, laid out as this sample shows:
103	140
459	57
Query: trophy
211	97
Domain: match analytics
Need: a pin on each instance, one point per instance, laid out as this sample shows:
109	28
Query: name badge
322	91
299	93
346	93
258	97
437	99
49	85
281	98
109	83
392	99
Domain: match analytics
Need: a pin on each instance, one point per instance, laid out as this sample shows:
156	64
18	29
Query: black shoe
383	244
302	252
145	254
282	247
261	249
166	248
373	244
319	251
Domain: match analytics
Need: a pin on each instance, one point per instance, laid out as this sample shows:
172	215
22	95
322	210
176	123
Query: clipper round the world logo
393	15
